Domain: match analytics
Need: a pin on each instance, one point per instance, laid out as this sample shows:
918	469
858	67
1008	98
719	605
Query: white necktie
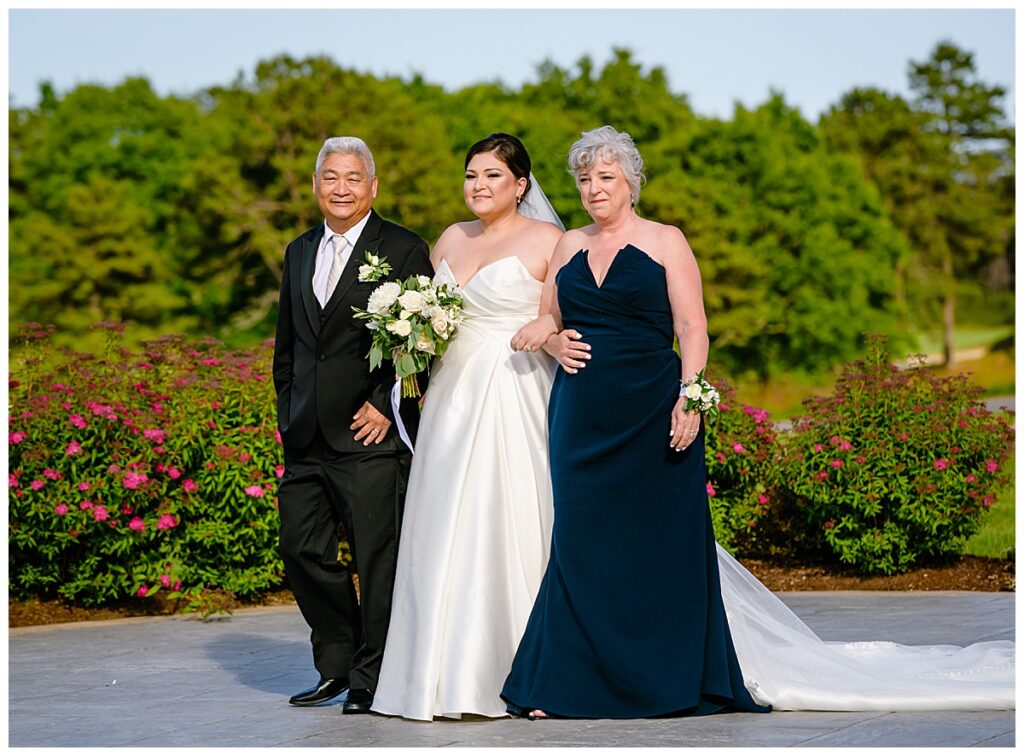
340	244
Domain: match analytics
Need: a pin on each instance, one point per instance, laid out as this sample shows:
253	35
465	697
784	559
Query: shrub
740	447
133	473
896	466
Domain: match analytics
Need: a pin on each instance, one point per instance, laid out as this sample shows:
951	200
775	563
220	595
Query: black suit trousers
363	491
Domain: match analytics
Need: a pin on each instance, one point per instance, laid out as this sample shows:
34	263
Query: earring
519	199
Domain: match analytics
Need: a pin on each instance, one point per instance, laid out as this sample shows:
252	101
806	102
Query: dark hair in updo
511	152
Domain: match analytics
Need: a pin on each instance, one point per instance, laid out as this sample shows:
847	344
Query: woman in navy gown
629	620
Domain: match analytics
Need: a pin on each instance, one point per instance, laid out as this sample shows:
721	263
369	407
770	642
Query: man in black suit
344	460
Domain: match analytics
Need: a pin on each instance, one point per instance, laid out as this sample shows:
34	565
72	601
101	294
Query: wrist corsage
700	395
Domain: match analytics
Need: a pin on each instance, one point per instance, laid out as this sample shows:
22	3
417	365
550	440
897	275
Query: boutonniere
375	268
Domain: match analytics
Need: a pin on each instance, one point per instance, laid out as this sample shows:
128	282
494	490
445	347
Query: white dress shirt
325	256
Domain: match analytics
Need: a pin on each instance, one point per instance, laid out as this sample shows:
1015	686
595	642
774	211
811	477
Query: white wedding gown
475	540
477	523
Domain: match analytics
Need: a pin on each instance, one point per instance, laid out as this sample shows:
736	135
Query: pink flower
99	513
85	505
210	361
988	501
136	523
861	460
723	406
61	509
837	463
256	491
903	436
941	464
173	473
719	456
244	457
165	581
78	421
279	470
159	450
845	446
143	590
73	448
710	489
970	478
84	486
189	486
818	447
155	435
762	499
991	465
16	438
277	433
823	475
134	479
738	448
52	474
12	480
835	440
127	509
37	484
114	469
166	522
176	586
211	425
972	410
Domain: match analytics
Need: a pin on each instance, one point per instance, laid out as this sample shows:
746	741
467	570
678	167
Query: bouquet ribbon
396	401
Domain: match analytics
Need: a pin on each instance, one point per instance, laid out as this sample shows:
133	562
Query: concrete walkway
178	681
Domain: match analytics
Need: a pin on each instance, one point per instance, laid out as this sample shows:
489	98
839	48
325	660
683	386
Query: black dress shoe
324	690
359	701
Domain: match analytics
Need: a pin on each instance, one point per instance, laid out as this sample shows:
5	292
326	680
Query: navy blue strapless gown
629	619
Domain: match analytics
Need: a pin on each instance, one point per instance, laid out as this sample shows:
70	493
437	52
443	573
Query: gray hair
605	143
347	145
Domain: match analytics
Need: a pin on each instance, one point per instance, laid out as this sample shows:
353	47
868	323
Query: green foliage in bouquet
133	473
896	466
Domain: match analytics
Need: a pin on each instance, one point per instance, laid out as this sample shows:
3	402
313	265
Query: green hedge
132	473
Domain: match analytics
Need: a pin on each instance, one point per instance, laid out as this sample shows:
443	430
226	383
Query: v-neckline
600	286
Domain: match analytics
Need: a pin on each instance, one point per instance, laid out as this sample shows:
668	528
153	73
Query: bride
477	524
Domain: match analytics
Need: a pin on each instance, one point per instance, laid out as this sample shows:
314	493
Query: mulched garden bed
965	574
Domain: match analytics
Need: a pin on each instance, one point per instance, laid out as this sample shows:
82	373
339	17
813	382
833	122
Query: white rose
693	391
400	327
424	281
411	301
424	343
404	315
439	322
374	260
365	271
383	297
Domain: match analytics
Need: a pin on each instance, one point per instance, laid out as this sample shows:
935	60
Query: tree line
889	214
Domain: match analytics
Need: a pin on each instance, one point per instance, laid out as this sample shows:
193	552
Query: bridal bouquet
412	322
700	395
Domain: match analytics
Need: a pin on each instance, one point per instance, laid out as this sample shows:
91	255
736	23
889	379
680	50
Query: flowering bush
133	473
896	466
740	447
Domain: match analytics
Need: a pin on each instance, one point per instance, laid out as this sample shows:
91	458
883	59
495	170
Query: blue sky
715	57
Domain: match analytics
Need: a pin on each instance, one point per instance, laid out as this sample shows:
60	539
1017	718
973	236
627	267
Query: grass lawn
998	530
964	337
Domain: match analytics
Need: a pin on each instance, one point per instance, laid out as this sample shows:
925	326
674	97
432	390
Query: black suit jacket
321	370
